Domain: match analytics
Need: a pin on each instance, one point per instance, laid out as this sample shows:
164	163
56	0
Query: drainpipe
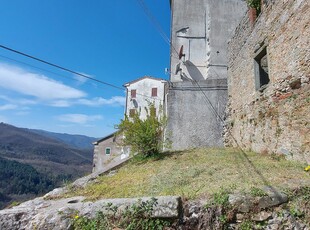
126	103
166	107
166	113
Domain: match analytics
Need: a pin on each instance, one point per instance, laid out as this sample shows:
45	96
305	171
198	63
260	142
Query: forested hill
52	159
19	181
22	144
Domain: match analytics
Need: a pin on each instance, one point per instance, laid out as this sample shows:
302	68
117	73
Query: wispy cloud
81	119
19	101
39	89
98	101
93	102
7	107
35	85
61	103
80	79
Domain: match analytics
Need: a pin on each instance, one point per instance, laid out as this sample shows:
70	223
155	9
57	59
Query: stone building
108	151
196	101
269	81
143	91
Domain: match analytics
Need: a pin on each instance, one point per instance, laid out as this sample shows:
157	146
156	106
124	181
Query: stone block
272	200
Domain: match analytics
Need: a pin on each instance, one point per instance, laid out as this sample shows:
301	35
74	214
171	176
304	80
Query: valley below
33	162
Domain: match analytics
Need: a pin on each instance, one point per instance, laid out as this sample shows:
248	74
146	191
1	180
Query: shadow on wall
193	71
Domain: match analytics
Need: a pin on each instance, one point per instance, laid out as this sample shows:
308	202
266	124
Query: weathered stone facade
109	153
273	117
197	96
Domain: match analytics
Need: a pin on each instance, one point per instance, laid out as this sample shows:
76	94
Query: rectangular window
133	93
132	112
154	92
261	69
107	151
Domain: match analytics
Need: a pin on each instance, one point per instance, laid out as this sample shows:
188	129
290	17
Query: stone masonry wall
276	117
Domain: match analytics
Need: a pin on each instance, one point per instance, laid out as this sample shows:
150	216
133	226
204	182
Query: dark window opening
108	151
261	69
154	92
133	93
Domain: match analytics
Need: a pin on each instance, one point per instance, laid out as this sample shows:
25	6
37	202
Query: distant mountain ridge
51	158
73	140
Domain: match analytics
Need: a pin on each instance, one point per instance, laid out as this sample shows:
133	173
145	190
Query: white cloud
7	107
61	103
43	90
81	119
93	102
36	85
80	79
98	101
18	101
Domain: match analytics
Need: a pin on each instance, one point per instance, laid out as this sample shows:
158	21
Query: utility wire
45	70
167	40
156	24
62	68
236	142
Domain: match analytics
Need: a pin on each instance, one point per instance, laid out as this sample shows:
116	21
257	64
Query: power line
156	24
154	21
62	68
45	70
148	13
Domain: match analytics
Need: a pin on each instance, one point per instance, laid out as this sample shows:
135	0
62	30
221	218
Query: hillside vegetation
32	164
197	173
44	154
17	180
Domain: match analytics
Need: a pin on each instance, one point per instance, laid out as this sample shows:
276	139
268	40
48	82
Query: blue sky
112	41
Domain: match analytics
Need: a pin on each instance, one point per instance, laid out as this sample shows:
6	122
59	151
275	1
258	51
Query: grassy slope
196	173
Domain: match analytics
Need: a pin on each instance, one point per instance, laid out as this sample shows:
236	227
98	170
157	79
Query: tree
144	136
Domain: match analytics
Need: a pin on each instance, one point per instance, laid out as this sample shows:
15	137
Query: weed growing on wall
135	217
256	4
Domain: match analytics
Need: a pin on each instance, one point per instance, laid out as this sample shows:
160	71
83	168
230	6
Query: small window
107	151
261	68
154	92
132	112
133	93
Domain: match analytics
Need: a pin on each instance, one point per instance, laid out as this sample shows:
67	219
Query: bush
255	4
144	136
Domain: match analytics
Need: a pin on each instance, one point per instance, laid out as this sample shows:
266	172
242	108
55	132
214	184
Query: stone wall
192	120
274	118
198	89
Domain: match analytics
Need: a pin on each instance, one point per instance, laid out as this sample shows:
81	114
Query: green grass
197	173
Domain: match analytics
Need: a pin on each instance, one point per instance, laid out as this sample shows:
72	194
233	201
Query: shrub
255	4
144	136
